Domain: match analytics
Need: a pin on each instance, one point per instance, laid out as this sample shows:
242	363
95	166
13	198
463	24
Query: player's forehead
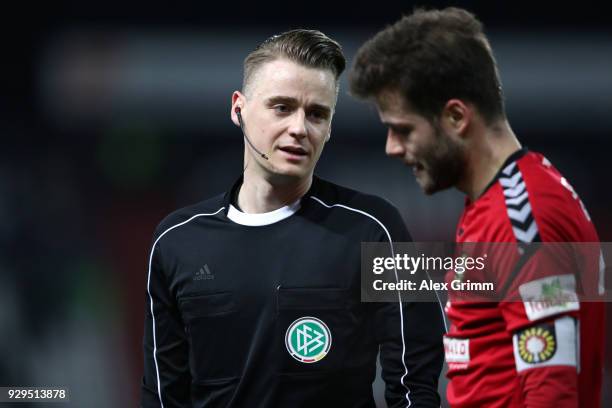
282	77
393	109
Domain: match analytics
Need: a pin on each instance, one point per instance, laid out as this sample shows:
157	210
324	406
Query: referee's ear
238	101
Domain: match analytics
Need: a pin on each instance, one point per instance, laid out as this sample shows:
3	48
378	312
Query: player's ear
456	116
238	101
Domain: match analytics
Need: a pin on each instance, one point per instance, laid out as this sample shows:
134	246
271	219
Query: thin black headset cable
262	155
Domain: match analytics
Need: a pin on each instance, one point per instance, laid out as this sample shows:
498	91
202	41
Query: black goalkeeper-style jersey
264	310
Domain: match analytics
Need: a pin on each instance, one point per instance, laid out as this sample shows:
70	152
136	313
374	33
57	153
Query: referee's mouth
297	151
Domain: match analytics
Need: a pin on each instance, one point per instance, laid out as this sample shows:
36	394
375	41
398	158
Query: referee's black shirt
223	287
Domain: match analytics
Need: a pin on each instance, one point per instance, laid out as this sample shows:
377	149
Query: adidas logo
203	274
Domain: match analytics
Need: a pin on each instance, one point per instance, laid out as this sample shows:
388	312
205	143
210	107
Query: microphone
237	110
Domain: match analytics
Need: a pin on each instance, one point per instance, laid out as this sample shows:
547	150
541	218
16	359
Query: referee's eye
318	115
281	108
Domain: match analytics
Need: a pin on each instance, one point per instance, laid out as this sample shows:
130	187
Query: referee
253	296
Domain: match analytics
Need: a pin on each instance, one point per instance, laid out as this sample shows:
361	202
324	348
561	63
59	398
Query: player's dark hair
431	56
310	48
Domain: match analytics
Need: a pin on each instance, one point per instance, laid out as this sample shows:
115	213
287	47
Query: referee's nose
297	127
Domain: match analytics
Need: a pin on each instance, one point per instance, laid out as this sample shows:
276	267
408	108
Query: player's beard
444	162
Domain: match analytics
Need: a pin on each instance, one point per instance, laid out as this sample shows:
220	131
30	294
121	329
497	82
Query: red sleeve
544	314
551	387
545	331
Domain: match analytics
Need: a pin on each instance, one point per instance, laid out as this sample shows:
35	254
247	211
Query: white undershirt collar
257	220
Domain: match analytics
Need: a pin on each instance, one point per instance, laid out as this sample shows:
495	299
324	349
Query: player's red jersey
521	353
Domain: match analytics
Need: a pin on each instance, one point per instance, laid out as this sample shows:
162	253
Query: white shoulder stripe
520	215
355	210
509	169
518	200
515	191
397	280
518	206
511	181
151	298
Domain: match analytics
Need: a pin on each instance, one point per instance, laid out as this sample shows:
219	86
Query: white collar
257	220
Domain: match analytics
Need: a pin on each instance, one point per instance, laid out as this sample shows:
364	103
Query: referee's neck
260	195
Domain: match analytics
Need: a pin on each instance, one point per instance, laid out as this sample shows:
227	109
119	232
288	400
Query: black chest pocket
317	328
210	320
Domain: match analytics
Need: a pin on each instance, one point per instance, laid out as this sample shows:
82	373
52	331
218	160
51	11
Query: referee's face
438	161
287	114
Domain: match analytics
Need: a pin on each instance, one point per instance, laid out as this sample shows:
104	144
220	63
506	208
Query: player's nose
394	146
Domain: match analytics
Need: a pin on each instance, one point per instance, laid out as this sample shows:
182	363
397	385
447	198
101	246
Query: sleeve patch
456	350
549	296
546	344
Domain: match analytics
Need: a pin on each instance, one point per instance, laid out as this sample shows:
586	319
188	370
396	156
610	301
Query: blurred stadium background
114	113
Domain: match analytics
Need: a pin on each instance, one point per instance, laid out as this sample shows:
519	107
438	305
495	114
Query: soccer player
435	83
253	296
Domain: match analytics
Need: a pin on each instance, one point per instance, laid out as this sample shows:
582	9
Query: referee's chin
289	175
280	165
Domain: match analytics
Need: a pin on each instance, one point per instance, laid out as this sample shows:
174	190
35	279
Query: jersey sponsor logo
537	344
546	344
549	296
456	350
308	339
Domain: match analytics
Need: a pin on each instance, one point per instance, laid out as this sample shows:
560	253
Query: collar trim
511	160
258	220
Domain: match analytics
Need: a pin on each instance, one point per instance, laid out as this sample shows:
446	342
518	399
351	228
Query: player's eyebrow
399	127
